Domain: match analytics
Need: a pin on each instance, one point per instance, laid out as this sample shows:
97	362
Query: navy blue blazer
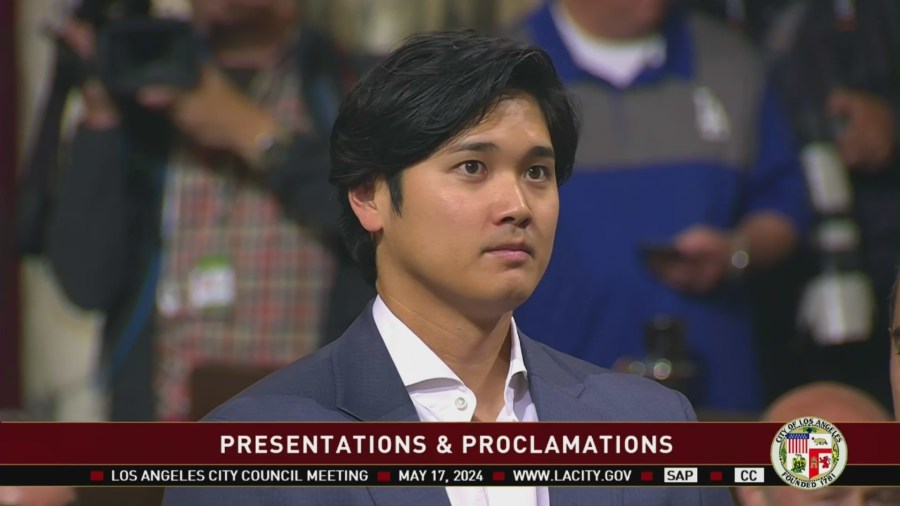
354	379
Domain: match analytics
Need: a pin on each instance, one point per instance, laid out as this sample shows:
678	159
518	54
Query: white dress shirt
618	62
440	396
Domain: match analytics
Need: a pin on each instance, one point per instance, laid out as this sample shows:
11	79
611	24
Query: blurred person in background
834	402
687	177
836	65
200	220
37	496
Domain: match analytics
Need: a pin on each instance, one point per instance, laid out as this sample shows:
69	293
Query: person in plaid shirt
200	221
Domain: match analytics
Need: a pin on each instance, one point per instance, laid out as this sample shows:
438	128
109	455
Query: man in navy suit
447	158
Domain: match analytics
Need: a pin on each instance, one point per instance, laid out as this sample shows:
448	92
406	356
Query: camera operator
200	219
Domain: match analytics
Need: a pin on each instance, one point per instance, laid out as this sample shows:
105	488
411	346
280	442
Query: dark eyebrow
542	152
895	333
483	147
472	146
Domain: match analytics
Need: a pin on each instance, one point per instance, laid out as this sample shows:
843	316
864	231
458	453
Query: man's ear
365	204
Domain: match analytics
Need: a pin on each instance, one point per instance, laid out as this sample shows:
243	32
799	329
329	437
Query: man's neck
597	28
475	349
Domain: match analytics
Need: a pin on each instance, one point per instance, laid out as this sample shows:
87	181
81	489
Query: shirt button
461	403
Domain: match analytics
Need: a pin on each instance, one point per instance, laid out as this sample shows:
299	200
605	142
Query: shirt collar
619	63
675	31
417	363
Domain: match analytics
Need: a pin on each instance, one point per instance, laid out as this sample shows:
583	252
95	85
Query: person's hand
100	112
214	114
868	138
703	259
37	496
79	36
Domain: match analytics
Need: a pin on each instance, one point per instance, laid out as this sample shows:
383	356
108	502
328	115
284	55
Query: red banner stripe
383	443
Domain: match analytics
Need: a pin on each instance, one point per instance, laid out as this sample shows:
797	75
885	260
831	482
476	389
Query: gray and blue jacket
699	140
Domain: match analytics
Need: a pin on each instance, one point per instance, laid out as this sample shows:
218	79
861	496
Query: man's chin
508	297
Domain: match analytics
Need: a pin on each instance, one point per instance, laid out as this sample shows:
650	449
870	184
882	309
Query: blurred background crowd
168	232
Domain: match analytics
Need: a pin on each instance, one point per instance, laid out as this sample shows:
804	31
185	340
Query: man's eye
538	173
472	167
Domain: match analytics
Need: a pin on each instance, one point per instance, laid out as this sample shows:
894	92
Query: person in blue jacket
686	176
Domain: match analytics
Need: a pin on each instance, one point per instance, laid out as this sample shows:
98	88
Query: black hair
424	94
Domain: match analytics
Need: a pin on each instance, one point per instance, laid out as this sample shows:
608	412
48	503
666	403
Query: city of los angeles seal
809	453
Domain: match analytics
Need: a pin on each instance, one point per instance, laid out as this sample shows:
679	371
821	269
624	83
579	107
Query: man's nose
511	201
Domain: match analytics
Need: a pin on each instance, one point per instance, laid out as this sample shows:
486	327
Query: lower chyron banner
422	476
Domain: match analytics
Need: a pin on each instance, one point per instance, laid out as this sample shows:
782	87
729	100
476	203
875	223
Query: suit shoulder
637	398
629	396
300	392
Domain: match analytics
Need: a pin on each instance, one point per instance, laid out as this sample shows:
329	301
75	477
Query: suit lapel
555	392
554	389
369	388
367	385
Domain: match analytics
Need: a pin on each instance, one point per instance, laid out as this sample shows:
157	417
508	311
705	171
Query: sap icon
680	475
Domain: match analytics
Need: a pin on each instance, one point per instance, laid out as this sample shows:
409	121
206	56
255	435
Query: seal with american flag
809	453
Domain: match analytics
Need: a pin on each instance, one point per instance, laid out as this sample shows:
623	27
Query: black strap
35	188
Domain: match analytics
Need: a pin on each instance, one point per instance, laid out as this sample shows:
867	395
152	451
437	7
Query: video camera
134	53
135	50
